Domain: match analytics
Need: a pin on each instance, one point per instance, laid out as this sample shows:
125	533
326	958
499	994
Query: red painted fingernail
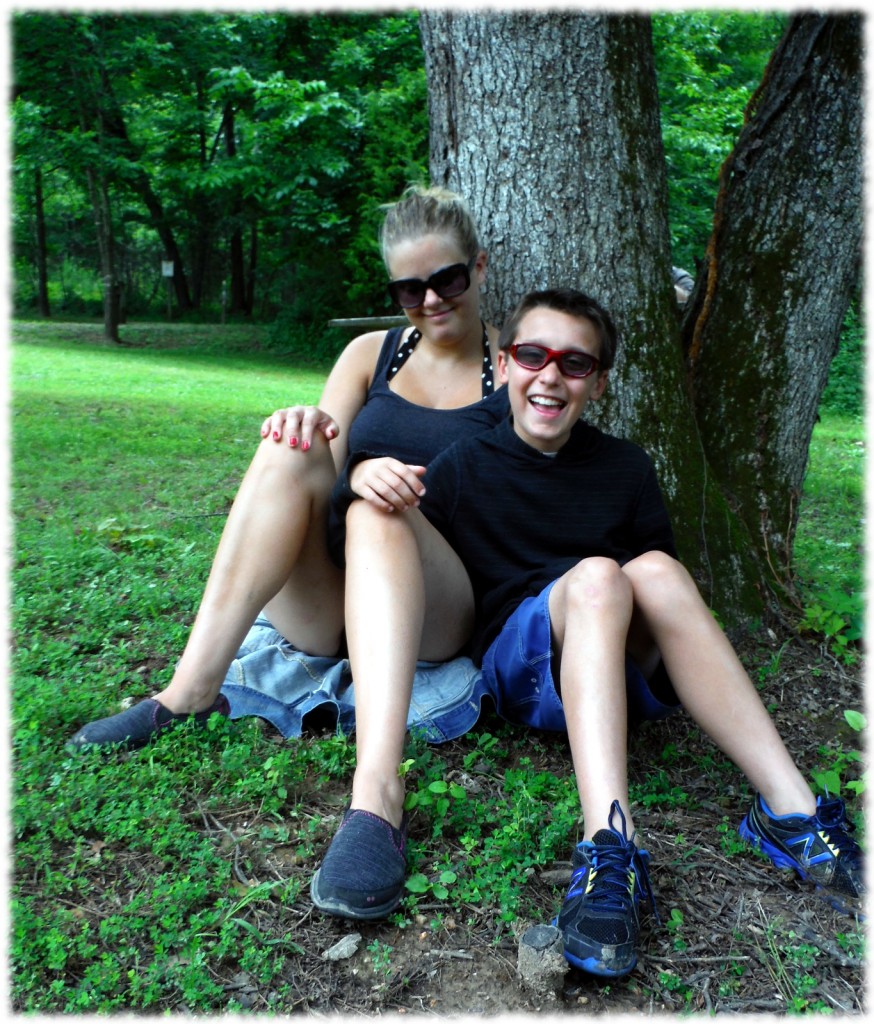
306	446
293	442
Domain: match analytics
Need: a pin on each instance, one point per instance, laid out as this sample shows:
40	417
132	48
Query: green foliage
308	344
829	542
111	553
498	840
271	135
282	135
844	394
839	618
839	762
708	64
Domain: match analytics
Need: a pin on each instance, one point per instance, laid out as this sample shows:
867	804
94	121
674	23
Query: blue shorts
517	669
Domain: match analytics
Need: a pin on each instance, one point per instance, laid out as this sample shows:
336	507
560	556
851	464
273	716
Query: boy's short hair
573	303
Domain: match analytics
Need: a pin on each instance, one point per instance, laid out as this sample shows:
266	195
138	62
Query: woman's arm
343	396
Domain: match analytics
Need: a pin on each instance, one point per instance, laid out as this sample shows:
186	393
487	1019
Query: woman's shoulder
365	345
361	354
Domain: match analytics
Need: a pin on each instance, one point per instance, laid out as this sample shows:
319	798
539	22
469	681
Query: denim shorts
298	692
517	669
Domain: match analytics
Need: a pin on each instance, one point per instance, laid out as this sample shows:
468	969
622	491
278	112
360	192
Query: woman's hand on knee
389	484
299	424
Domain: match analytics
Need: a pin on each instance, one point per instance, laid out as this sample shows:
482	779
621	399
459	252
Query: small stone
346	947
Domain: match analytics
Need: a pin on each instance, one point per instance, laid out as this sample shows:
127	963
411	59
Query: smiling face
546	404
420	258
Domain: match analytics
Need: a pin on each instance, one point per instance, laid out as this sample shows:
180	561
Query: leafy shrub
845	391
839	618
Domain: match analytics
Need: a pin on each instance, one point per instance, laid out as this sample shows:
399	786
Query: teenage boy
565	536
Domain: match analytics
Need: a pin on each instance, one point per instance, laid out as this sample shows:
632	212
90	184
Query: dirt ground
748	938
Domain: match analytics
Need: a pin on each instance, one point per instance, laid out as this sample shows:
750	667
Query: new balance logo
808	843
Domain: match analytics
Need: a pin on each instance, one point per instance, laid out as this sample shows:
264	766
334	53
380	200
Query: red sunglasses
571	362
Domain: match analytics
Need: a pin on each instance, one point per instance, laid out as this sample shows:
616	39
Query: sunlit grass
829	546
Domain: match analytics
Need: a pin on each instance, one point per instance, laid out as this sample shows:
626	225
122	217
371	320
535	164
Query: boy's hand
391	485
300	423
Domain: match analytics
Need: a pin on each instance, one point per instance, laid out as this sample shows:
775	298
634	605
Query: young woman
401	395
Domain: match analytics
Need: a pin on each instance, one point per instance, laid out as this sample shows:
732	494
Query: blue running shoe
599	917
819	849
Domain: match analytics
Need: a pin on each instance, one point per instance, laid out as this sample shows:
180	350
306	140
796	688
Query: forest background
253	152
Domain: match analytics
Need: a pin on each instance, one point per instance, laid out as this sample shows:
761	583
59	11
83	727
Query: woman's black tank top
390	425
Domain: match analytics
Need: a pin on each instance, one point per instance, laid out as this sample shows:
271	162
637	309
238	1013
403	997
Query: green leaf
855	719
418	883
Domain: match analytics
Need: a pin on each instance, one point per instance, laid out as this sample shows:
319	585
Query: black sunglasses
571	362
447	283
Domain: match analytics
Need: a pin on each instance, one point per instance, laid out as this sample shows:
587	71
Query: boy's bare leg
407	596
590	609
272	553
711	682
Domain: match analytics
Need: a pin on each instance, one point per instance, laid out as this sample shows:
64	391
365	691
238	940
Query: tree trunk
252	274
566	177
115	128
41	247
98	190
237	259
200	242
548	123
764	322
106	247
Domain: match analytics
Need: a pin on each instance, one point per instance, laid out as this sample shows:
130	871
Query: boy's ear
503	363
600	385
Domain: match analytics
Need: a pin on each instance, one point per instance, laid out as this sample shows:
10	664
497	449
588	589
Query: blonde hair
430	210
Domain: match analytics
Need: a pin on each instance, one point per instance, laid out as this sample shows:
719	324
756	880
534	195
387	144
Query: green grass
829	546
829	551
124	463
129	887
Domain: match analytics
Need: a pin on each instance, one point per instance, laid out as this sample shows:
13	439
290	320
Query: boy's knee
596	580
658	571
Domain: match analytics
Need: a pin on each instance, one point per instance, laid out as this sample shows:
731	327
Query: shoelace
612	863
831	817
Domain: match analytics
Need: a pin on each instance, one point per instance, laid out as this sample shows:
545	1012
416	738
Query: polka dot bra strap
407	346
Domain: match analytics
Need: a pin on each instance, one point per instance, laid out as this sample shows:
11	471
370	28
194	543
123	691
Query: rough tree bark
763	324
548	123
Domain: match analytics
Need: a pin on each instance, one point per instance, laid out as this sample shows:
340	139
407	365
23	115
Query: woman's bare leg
272	553
407	596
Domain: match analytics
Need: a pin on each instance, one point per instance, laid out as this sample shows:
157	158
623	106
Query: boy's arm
442	486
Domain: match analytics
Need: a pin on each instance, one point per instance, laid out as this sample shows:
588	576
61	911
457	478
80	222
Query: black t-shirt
520	519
